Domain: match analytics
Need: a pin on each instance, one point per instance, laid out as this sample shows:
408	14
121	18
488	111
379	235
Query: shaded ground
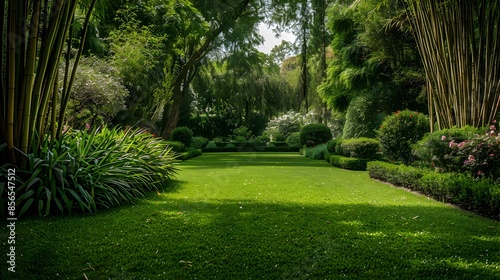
264	216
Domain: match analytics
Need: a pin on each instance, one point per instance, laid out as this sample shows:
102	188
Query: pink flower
493	127
471	158
461	145
452	144
443	138
87	126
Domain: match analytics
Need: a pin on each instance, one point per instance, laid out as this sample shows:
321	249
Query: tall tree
459	42
222	15
375	68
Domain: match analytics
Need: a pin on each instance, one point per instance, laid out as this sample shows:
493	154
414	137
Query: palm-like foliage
459	42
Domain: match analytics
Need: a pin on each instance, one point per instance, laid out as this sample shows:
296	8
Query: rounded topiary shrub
314	134
399	132
182	134
199	142
360	148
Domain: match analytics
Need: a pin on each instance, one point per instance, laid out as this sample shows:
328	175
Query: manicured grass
263	216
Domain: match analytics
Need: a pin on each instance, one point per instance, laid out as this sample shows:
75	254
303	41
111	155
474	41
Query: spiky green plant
94	169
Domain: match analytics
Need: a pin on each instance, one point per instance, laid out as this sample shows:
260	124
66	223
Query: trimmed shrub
281	149
348	163
199	142
191	154
294	139
399	175
481	196
182	134
327	156
360	148
211	145
176	146
314	134
399	132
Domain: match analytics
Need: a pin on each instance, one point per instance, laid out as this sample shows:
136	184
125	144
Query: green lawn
263	216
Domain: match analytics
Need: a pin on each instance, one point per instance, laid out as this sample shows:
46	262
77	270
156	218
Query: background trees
375	68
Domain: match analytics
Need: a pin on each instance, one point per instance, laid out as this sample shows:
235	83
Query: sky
270	38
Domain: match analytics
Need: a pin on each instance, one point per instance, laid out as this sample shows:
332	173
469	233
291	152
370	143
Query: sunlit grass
264	216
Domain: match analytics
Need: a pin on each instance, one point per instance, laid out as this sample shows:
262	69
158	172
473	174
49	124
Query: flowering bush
434	148
286	124
399	132
479	155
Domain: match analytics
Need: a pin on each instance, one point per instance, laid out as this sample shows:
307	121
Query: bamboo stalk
3	89
30	75
65	96
11	77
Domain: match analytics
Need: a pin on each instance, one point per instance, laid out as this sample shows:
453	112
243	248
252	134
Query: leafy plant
399	132
91	170
469	193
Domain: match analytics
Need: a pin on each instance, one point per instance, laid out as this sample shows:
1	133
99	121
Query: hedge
482	196
360	147
252	149
348	163
191	154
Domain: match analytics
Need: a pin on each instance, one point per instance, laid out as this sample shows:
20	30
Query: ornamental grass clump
85	171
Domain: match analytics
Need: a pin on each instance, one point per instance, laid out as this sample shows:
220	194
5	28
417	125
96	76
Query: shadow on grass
227	239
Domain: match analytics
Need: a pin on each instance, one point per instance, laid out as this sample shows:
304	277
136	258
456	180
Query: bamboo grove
459	42
36	35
